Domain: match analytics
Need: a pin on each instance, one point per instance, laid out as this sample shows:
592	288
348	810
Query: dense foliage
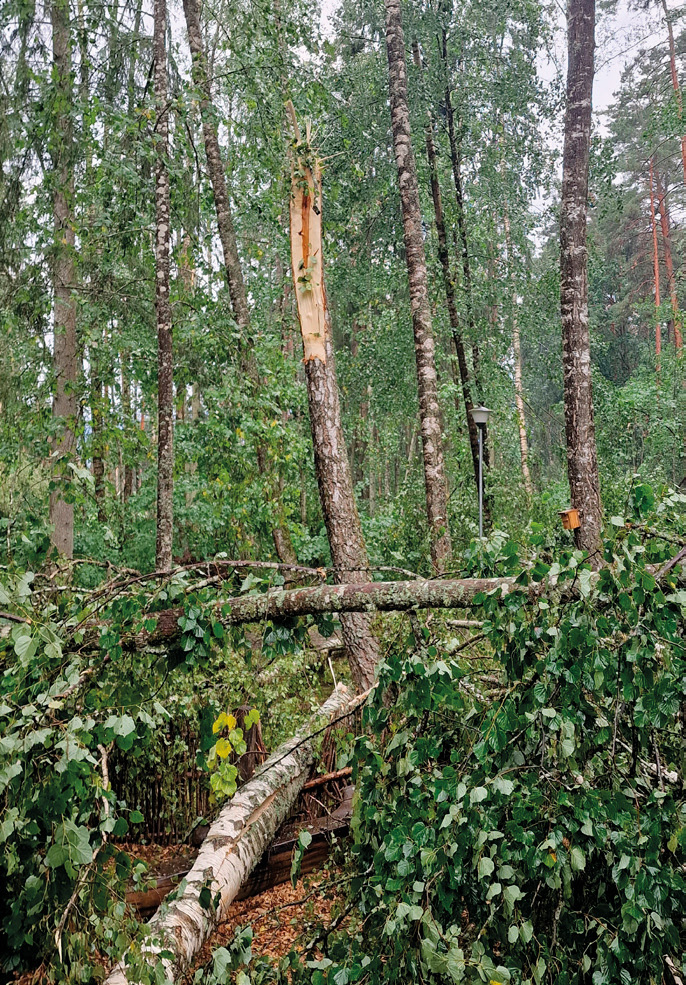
526	823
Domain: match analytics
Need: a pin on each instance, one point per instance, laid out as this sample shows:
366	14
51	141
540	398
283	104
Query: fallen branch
233	846
381	596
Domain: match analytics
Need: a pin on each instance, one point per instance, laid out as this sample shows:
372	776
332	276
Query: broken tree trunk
233	847
348	549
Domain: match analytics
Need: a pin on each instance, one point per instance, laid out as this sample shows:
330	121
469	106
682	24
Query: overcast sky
618	38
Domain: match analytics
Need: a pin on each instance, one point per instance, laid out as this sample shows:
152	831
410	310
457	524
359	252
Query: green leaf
485	867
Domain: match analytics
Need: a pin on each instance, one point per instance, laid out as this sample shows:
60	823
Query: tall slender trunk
227	236
429	411
516	349
656	269
675	79
449	283
129	469
669	261
348	550
455	161
582	456
98	444
165	369
65	358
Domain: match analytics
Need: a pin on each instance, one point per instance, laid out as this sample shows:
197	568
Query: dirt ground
281	918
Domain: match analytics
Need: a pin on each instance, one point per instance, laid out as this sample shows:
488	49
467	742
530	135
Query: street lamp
480	417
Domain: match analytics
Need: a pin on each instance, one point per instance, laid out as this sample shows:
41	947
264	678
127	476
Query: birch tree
65	358
582	458
165	371
429	411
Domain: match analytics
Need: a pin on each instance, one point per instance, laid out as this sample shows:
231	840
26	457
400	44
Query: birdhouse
570	519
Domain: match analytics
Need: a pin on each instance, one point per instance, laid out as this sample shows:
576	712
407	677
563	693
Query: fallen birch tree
234	844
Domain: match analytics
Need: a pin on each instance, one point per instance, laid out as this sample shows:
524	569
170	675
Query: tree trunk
517	351
129	469
65	359
227	236
582	458
656	270
165	371
449	283
429	411
348	550
669	262
234	844
97	408
675	79
464	246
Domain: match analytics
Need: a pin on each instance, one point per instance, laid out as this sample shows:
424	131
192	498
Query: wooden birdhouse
570	518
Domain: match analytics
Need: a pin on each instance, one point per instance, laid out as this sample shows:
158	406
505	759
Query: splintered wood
306	254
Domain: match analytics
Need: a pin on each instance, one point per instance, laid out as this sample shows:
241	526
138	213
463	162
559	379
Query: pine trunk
234	845
65	359
165	372
582	459
656	269
449	283
332	467
227	236
429	411
665	225
675	79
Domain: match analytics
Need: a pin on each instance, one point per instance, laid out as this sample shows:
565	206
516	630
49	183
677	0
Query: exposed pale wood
332	466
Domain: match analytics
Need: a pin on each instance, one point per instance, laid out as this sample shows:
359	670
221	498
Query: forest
342	492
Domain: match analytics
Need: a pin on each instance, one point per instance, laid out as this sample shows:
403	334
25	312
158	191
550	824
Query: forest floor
282	918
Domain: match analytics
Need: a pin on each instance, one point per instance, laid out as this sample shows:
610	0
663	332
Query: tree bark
129	469
517	350
582	458
227	236
456	167
449	283
669	262
332	467
97	408
165	370
656	269
429	411
65	358
675	79
233	847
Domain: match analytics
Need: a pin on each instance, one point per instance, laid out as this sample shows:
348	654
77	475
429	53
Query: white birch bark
234	844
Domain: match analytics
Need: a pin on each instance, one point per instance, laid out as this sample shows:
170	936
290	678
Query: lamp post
480	417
